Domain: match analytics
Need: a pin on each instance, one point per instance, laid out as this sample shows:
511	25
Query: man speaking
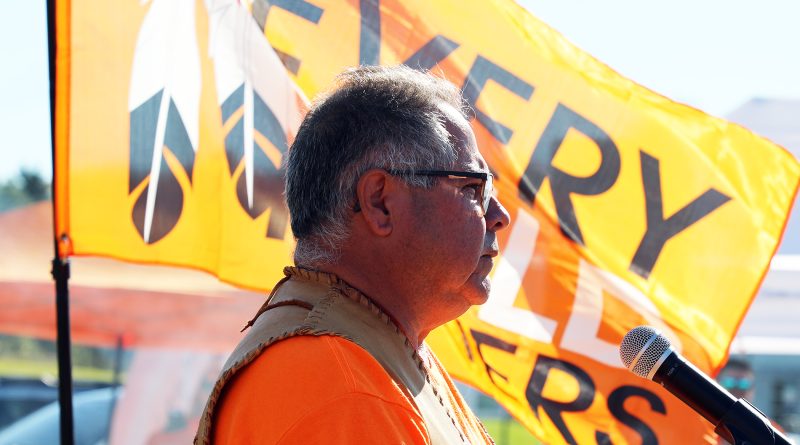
391	205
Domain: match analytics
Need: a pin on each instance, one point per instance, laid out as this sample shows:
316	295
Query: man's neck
385	296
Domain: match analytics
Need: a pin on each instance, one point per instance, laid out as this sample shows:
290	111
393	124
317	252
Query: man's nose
497	217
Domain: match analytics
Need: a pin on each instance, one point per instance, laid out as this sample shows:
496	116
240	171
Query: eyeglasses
485	191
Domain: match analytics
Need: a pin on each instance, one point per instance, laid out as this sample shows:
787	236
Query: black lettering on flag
554	408
602	438
482	71
464	340
660	230
563	184
300	8
369	47
616	405
431	53
482	339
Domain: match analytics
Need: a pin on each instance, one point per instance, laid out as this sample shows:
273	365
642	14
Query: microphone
648	354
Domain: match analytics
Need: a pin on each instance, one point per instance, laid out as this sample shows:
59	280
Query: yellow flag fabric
627	208
173	123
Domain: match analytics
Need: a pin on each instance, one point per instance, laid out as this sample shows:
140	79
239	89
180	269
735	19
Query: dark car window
92	410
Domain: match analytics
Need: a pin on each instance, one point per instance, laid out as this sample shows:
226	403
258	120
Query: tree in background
25	188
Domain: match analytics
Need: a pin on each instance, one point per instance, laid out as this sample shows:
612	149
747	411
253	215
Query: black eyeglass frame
486	186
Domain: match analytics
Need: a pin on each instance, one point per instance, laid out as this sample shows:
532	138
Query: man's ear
375	194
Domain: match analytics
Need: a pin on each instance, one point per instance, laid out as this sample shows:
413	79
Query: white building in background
769	337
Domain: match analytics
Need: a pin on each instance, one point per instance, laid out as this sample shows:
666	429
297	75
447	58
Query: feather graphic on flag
260	107
164	116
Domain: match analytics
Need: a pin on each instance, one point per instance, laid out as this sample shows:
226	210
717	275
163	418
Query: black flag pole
61	275
60	265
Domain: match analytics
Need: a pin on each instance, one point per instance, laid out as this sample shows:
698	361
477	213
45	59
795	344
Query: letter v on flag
173	118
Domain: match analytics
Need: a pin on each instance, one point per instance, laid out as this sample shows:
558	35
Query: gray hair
375	117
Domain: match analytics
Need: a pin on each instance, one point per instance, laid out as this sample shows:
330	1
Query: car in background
92	411
20	396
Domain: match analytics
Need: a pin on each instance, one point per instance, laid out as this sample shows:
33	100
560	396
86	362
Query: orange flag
627	208
171	128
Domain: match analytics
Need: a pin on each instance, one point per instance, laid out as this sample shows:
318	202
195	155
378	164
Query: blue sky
24	101
711	54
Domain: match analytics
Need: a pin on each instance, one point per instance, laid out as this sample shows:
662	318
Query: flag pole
61	276
60	270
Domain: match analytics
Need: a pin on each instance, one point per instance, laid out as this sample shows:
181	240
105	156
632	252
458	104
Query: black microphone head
643	350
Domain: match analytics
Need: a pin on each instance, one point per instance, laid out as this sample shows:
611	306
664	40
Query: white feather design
166	59
242	56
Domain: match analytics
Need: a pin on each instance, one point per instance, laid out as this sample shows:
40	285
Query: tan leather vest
315	303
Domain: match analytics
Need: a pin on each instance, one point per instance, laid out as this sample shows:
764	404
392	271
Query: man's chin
479	294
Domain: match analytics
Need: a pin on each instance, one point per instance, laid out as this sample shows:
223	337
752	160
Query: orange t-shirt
316	390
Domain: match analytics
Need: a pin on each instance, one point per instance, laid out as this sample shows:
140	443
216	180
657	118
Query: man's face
454	243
